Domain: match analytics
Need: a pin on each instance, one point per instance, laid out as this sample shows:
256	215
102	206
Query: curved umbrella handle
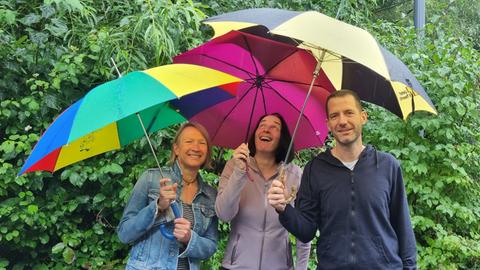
163	229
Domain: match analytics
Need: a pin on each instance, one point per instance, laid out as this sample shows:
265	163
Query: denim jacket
140	224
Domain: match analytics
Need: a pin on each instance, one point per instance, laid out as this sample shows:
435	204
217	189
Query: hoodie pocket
333	251
233	258
288	249
381	250
372	252
324	249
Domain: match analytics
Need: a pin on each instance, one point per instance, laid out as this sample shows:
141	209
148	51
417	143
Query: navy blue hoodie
362	215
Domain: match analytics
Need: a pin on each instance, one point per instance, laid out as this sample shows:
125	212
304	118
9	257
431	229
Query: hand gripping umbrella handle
163	229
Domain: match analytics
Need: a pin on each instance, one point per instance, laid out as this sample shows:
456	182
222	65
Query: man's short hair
343	93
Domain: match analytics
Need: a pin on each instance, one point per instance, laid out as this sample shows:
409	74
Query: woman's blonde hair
208	161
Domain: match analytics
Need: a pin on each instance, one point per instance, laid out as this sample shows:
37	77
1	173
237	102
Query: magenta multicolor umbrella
276	78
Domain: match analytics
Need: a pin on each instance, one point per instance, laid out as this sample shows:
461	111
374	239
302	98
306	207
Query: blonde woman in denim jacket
195	234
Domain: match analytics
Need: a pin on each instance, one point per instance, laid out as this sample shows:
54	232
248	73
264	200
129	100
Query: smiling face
267	135
345	120
191	148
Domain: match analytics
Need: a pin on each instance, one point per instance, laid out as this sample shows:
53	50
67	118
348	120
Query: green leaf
58	248
461	110
57	27
31	19
68	255
83	199
114	168
32	209
41	267
98	198
97	228
47	11
76	179
44	238
7	146
33	105
74	5
4	262
72	206
7	16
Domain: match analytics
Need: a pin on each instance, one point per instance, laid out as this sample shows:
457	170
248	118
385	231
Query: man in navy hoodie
354	195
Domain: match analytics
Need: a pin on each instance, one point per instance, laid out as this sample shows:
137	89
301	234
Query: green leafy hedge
52	52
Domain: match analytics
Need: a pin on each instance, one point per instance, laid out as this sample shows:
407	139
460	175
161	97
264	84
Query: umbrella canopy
276	78
106	117
351	57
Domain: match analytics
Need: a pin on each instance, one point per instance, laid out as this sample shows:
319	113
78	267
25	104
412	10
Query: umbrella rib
274	65
231	110
281	60
280	96
251	114
228	64
295	108
291	82
152	122
318	48
264	103
286	100
251	55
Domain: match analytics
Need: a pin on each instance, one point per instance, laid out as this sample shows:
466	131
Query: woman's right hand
240	156
168	193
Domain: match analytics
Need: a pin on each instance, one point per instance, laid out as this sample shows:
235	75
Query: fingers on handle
164	181
278	184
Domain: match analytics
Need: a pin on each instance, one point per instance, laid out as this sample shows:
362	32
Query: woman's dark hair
285	139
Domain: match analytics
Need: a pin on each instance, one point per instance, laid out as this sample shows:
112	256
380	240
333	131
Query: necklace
189	181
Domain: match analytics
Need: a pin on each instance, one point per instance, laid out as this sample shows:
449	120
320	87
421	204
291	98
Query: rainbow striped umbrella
107	117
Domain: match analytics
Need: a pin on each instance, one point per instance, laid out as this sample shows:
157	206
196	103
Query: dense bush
52	52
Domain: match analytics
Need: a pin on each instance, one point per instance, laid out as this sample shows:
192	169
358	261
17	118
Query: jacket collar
328	157
177	171
252	164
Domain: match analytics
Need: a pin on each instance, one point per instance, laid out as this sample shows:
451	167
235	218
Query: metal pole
315	75
419	16
149	142
339	9
141	123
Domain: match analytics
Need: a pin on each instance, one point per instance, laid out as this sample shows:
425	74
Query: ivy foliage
52	52
440	155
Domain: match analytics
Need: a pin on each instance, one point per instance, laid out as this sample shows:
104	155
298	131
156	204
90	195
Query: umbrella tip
116	68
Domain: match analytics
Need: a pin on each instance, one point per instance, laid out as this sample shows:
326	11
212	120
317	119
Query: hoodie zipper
352	222
265	204
327	157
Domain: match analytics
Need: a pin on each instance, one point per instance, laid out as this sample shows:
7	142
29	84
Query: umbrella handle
163	229
282	176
